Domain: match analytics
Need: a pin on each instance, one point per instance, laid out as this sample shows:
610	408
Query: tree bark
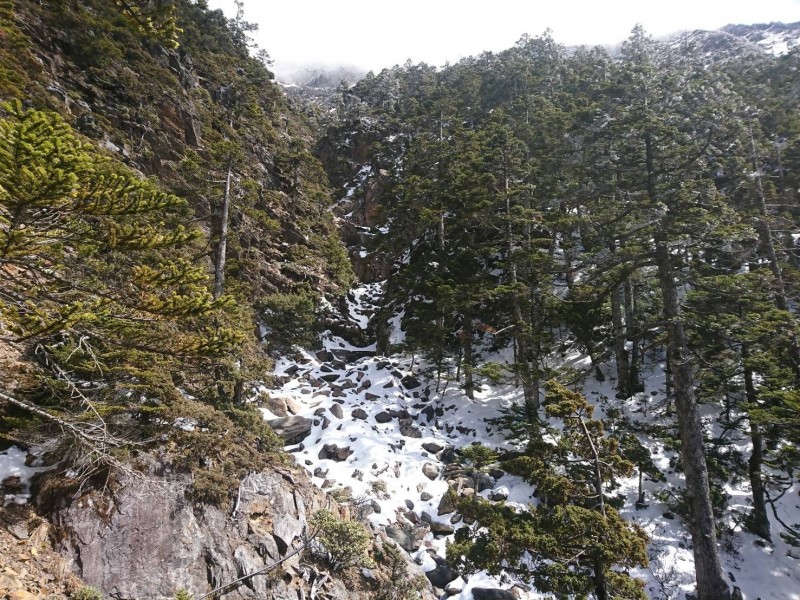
632	333
620	353
222	244
711	584
758	522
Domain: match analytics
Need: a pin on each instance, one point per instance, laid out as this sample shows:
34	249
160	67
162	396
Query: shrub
340	543
87	593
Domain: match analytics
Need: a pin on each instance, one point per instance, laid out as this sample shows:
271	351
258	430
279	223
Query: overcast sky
373	34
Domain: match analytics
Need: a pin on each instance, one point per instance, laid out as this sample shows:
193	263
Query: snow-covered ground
380	423
16	476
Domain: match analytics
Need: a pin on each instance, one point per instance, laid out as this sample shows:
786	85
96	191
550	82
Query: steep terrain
520	225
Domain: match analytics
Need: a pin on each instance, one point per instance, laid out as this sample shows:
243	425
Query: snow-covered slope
383	429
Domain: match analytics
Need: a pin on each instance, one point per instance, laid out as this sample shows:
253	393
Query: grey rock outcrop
492	594
292	430
148	541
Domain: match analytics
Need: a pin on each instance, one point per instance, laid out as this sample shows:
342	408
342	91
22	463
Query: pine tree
571	542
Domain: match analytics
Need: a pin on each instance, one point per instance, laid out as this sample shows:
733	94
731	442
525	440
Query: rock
359	413
371	396
496	473
23	595
410	504
485	482
18	530
446	505
456	519
330	377
155	542
448	455
428	412
336	411
294	406
492	594
432	447
292	430
324	355
383	417
404	537
439	528
425	496
426	517
430	470
333	452
410	431
292	370
455	587
442	574
320	472
499	494
669	515
276	406
410	382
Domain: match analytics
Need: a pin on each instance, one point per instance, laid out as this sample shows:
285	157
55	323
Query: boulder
292	430
277	406
499	494
432	447
336	411
439	528
383	417
446	505
492	594
430	470
405	538
442	574
410	382
485	482
359	413
410	431
333	452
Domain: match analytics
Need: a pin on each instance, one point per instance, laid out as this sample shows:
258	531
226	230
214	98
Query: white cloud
374	34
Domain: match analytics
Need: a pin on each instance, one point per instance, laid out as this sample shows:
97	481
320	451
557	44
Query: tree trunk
222	244
620	353
466	340
767	240
711	584
632	333
758	521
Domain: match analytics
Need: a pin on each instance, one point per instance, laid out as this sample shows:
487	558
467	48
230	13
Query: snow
385	467
12	465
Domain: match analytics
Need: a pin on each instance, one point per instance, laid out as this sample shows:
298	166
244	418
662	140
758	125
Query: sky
373	34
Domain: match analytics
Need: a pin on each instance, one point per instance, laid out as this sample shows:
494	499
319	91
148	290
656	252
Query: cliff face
183	115
146	540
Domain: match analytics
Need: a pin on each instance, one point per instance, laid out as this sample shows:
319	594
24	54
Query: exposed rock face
291	430
492	594
148	541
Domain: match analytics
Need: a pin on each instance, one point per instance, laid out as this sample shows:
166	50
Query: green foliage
291	319
87	593
572	542
340	543
153	18
183	594
477	456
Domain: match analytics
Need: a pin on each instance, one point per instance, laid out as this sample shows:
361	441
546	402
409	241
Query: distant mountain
774	38
737	41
